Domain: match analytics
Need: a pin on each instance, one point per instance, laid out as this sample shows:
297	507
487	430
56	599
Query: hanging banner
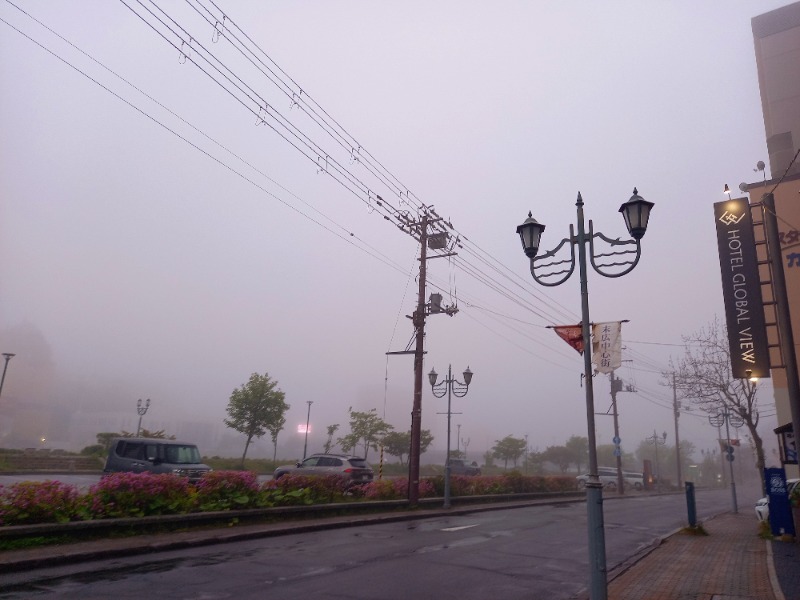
572	334
607	346
741	289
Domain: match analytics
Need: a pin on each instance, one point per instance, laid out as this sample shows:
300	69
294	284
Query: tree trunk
247	443
760	460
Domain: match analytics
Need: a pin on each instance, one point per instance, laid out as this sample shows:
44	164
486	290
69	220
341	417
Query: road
533	552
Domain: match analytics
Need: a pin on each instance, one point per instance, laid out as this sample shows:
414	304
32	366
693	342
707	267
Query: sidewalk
730	563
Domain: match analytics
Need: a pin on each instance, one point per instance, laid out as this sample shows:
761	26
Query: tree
255	408
703	376
274	429
509	448
560	456
535	462
329	445
606	458
578	448
366	430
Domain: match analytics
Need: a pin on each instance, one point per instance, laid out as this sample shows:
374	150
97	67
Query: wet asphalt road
532	552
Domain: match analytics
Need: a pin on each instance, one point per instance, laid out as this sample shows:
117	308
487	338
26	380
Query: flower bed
145	494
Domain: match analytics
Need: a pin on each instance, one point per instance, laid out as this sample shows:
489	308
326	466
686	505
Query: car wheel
581	484
637	486
612	486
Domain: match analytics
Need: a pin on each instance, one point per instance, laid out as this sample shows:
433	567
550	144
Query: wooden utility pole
676	407
418	320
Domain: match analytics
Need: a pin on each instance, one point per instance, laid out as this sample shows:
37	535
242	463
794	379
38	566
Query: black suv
351	467
460	467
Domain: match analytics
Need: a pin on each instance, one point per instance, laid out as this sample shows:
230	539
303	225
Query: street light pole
449	386
657	441
308	421
727	417
636	213
8	356
142	410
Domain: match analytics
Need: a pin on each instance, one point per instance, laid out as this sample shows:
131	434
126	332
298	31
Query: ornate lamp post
728	418
308	421
636	213
8	356
142	410
655	440
449	386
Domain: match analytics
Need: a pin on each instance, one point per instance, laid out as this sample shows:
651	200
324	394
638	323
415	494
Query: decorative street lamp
8	356
728	418
308	420
448	386
142	410
636	213
655	440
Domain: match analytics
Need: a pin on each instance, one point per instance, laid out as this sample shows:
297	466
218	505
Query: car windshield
180	454
359	463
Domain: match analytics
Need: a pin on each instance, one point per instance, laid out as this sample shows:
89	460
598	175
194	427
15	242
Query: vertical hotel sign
741	289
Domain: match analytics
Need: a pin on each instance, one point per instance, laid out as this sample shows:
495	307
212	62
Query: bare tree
703	377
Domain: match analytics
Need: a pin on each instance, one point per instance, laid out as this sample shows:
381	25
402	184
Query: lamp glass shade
467	376
432	376
530	232
636	213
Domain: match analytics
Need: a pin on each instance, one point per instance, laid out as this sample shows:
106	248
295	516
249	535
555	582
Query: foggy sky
135	266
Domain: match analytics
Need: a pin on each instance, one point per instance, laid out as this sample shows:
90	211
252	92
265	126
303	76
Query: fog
142	260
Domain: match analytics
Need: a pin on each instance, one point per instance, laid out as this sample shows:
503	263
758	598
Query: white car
762	506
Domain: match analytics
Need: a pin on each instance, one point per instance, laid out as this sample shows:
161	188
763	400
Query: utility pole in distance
676	407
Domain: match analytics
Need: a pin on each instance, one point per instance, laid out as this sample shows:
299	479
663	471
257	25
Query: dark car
460	467
353	468
155	455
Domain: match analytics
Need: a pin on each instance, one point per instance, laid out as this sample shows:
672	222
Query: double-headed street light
449	386
728	417
142	410
655	440
613	263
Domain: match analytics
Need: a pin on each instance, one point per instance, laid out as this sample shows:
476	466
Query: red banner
572	334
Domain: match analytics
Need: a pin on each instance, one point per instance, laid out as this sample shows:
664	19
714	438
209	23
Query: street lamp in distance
308	421
142	410
8	356
449	386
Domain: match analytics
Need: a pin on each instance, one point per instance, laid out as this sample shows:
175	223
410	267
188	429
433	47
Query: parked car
607	475
155	455
634	480
353	468
762	505
459	466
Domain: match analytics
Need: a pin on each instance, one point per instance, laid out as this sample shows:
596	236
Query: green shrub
29	502
139	495
224	490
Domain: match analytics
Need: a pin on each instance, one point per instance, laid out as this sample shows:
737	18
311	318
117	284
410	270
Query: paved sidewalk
730	563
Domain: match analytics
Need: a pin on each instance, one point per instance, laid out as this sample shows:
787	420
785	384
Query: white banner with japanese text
607	346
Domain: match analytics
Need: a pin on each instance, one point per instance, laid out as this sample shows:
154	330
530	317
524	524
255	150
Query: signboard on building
741	289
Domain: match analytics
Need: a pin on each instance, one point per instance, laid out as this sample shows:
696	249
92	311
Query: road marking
459	528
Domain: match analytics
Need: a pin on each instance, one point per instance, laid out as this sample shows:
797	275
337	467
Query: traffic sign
616	440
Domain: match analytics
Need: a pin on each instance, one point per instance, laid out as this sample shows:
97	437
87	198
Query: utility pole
437	241
418	319
616	386
676	407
